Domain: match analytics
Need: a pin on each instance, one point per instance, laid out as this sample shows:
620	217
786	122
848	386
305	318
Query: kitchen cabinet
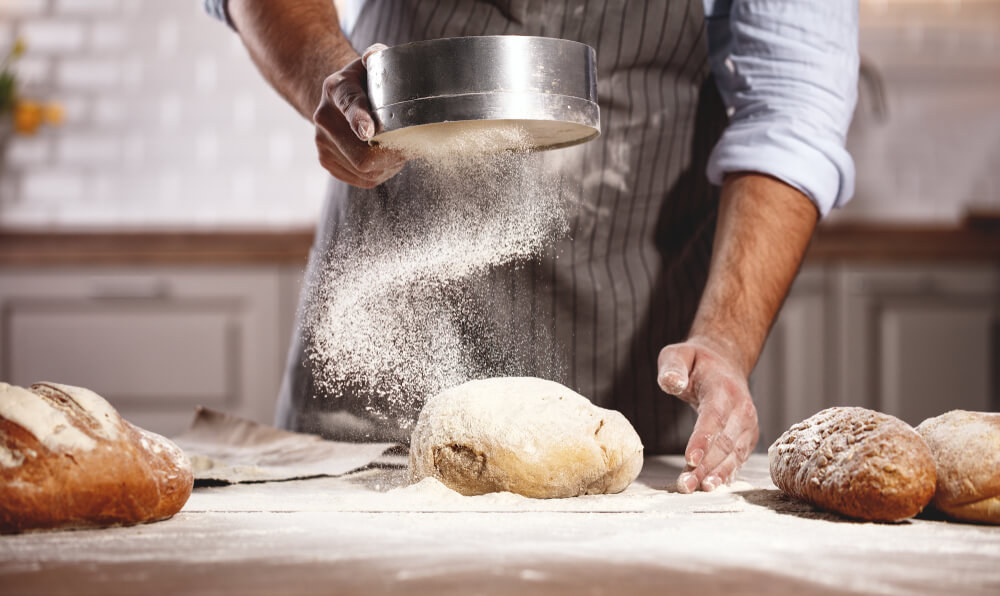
790	381
155	341
898	319
916	342
912	340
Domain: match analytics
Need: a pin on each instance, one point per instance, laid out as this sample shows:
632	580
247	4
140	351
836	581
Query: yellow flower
27	117
53	113
19	47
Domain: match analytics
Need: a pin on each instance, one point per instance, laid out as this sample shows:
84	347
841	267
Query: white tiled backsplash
168	124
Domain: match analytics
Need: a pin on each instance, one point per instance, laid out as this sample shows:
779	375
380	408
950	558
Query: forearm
295	44
763	230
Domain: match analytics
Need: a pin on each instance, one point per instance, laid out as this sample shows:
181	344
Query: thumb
375	47
674	366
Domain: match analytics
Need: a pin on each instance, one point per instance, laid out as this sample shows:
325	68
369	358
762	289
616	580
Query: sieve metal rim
498	77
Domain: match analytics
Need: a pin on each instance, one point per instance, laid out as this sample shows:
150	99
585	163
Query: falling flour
395	316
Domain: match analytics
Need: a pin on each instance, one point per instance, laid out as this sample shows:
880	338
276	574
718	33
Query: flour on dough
523	435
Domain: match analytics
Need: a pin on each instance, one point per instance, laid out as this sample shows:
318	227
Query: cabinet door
155	342
918	342
935	356
789	382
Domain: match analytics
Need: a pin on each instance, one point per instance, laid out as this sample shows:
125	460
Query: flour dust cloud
398	314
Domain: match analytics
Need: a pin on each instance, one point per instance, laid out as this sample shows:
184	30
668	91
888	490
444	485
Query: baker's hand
699	372
344	125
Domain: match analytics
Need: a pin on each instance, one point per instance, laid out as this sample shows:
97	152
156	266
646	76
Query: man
657	260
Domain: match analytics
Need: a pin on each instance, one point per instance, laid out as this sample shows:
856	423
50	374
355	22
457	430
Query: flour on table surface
730	540
388	490
431	495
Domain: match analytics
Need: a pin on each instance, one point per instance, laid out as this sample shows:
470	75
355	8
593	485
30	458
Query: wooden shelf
840	242
162	248
897	243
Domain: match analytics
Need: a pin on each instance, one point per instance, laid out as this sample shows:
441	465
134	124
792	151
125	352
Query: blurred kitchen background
154	227
167	123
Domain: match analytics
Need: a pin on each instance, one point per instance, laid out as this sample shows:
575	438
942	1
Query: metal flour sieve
548	86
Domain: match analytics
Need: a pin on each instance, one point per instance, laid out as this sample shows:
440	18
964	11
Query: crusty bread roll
966	448
68	460
856	462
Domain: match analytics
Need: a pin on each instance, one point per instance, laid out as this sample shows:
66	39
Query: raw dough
524	435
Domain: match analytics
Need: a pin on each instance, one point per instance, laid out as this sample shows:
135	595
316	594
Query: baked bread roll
856	462
966	448
68	460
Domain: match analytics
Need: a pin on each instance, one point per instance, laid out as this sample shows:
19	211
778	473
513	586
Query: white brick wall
167	123
16	8
85	7
53	37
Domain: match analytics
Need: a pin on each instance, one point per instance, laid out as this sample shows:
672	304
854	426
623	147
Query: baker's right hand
344	125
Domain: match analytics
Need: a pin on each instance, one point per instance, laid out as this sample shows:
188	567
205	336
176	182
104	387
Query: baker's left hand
702	373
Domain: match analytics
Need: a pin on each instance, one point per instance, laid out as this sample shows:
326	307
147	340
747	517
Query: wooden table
347	535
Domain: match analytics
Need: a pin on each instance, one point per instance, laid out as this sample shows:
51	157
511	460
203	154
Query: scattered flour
636	497
260	538
395	316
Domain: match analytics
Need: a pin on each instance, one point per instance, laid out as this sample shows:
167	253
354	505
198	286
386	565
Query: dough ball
966	450
524	435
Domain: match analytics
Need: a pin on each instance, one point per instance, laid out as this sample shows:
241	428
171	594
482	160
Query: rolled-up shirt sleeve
218	9
787	71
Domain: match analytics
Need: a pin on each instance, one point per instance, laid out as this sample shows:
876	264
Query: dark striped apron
629	275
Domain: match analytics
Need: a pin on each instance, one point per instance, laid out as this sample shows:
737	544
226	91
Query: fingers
707	441
724	435
726	458
332	161
726	470
344	124
346	91
726	429
339	166
375	47
334	132
674	366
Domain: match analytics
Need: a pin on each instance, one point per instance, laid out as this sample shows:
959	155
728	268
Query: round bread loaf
856	462
68	460
524	435
966	449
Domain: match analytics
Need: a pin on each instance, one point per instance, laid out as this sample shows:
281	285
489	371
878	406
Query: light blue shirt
788	73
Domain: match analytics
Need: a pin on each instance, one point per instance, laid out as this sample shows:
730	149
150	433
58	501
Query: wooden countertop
348	535
155	248
898	243
841	242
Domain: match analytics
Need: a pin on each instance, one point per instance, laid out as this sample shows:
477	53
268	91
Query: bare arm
763	231
296	44
299	48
